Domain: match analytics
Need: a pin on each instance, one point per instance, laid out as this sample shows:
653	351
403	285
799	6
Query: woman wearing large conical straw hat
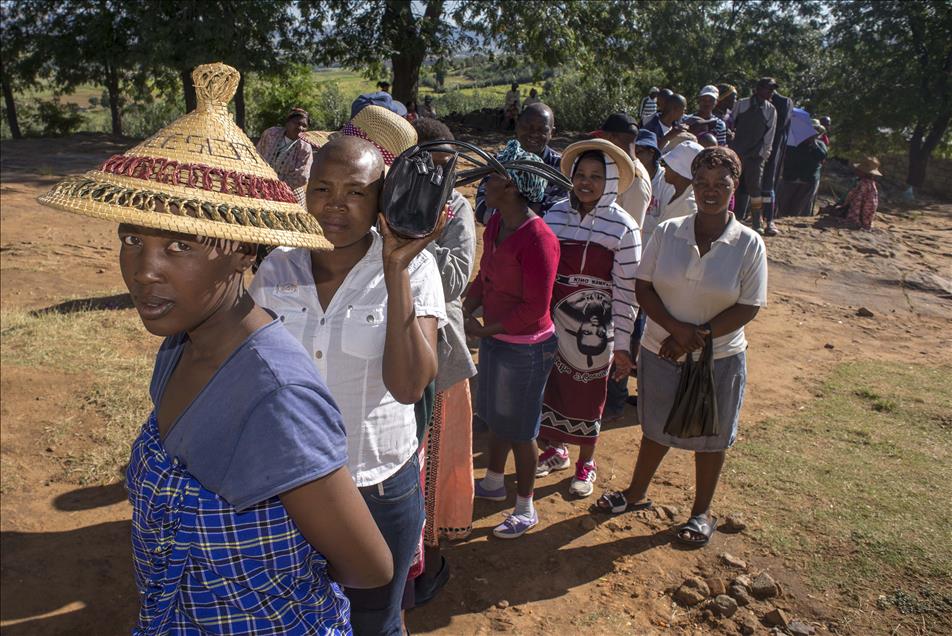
243	506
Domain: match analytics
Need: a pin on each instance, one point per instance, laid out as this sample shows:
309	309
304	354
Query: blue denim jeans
396	505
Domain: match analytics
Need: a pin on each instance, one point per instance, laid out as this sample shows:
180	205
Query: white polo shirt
695	289
346	342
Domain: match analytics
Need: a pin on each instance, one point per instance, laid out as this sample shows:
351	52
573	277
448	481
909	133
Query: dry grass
110	356
855	488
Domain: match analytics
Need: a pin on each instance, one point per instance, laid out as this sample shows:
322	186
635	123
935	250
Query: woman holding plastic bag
702	278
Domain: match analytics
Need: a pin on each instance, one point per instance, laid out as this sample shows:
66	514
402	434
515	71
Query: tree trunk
921	146
406	76
11	108
115	109
411	39
189	88
240	103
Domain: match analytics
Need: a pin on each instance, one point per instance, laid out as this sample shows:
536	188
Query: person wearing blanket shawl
593	303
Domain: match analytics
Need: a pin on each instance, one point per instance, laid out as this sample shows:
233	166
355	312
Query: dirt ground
66	566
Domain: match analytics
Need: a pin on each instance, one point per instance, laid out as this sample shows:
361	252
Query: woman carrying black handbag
702	278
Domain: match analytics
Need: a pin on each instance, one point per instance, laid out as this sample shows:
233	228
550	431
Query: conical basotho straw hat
199	175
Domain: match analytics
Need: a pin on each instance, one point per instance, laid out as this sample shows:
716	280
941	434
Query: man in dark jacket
773	166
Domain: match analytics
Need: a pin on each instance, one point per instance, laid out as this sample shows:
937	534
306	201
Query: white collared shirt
695	289
346	342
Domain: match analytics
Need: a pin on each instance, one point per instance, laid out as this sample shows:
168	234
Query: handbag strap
486	164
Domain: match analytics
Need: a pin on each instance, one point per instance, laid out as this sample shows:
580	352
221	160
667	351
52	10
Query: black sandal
698	525
426	589
615	503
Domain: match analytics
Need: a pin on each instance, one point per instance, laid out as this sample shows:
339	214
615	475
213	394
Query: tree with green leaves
18	63
366	34
251	35
89	41
891	69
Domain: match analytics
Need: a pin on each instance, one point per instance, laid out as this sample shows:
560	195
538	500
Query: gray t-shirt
264	424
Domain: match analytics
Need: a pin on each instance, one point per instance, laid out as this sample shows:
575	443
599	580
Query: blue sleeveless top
228	559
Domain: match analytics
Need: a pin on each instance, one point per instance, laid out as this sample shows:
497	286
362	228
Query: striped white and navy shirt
613	229
648	109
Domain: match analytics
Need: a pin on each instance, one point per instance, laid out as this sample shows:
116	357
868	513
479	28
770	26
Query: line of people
311	441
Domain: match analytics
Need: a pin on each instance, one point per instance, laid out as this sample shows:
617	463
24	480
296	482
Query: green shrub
457	101
270	98
142	119
583	101
56	119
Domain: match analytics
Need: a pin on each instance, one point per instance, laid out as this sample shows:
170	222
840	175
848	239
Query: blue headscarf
530	185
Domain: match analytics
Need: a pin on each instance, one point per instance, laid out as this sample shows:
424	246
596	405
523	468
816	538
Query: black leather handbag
416	190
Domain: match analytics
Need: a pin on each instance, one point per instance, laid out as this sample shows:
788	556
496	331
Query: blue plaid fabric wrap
203	568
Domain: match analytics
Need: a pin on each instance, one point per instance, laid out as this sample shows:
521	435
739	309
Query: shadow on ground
99	303
75	582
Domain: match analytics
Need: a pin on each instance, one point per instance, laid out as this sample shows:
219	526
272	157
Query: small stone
742	580
734	523
724	606
49	449
716	586
671	512
862	312
692	591
740	595
732	561
100	271
588	523
764	587
503	604
775	618
799	628
828	345
747	625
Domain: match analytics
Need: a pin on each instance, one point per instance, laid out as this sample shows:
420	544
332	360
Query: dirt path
66	560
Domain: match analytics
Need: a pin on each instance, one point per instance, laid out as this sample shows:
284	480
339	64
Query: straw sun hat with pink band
199	175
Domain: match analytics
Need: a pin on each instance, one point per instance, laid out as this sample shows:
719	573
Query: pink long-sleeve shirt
517	276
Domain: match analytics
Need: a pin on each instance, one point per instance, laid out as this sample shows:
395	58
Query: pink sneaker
552	459
584	482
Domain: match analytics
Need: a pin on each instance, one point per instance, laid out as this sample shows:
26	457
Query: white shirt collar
729	236
301	258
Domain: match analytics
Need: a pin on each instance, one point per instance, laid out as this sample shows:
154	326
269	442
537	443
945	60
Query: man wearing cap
784	106
534	129
706	100
620	129
649	107
755	122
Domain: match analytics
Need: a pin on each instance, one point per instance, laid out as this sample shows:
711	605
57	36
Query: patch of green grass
857	483
111	355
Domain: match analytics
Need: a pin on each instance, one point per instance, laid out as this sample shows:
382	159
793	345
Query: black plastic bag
694	411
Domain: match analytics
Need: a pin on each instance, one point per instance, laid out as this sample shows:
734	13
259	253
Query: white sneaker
552	459
584	482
